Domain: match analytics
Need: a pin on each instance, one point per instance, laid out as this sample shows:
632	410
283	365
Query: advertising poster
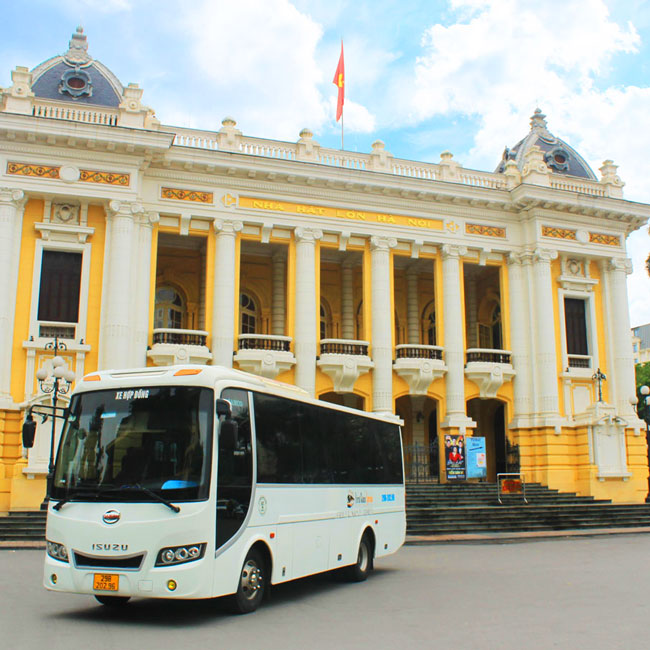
476	458
455	457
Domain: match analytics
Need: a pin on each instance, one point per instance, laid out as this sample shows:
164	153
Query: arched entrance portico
501	449
420	437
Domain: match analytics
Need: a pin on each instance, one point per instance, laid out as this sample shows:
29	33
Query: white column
306	323
12	203
120	323
453	329
223	304
520	342
143	288
623	381
382	320
347	301
412	309
278	299
545	348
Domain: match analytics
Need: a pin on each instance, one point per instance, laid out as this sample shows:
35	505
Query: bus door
234	470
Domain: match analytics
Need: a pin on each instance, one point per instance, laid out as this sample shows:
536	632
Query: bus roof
198	375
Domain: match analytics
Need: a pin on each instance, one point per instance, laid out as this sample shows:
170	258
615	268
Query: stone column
305	344
453	329
142	294
120	321
623	381
223	303
412	309
347	301
278	299
544	342
520	340
12	203
382	320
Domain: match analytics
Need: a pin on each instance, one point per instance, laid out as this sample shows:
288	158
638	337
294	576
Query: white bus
201	481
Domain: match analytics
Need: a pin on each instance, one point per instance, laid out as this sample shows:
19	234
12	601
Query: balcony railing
408	351
264	342
485	355
344	346
179	337
579	361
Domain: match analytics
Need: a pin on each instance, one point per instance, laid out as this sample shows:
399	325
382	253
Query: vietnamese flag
339	82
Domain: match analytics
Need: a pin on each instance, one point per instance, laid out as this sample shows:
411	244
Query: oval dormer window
75	82
557	159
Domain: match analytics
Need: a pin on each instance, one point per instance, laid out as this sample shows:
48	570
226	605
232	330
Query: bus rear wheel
113	601
359	572
252	584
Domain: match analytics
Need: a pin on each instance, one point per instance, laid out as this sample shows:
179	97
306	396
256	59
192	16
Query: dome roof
559	156
76	77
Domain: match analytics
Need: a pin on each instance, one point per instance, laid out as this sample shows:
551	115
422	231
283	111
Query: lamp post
599	377
644	391
55	381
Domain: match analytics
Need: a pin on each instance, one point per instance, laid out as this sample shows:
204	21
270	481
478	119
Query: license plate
106	582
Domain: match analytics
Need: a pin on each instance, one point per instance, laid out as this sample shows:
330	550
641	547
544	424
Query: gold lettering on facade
339	213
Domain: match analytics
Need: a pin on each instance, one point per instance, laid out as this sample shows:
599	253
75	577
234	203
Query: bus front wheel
113	601
359	572
252	584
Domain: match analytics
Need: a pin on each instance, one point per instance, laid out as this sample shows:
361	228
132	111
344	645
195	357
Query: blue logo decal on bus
387	497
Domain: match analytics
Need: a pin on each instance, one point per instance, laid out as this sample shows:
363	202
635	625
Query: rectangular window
576	326
59	288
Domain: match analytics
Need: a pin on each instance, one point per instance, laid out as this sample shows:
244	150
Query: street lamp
600	378
645	393
55	381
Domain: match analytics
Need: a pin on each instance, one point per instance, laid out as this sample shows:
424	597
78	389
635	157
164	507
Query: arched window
169	311
248	315
325	320
429	324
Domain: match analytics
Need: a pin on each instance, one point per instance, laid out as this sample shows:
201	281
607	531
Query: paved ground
556	593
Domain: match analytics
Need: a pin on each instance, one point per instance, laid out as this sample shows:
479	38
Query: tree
642	372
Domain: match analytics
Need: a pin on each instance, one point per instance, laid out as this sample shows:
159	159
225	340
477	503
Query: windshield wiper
77	492
151	493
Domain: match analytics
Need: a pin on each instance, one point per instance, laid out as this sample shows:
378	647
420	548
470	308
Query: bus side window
235	469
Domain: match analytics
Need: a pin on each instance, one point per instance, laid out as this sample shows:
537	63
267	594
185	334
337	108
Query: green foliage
642	371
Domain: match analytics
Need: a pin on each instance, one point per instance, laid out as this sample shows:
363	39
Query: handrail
488	355
413	351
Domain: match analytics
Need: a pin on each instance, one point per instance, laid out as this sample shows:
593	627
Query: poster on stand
455	457
476	457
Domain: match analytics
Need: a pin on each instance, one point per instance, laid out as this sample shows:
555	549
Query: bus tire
252	584
359	571
113	601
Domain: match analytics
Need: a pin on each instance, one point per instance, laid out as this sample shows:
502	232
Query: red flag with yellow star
339	82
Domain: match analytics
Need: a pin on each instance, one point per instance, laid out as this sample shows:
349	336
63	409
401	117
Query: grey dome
76	77
559	156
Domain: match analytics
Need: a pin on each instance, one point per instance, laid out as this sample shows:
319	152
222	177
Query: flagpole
342	147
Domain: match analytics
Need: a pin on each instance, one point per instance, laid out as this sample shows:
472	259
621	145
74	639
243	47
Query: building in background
641	343
468	302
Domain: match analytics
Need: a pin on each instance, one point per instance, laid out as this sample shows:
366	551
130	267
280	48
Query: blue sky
423	76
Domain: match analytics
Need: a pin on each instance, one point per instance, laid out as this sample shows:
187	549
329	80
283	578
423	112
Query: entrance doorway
420	438
501	449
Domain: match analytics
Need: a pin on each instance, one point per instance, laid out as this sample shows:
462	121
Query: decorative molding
559	233
107	178
28	169
602	238
186	195
486	231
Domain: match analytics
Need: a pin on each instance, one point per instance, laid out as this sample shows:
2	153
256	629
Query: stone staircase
473	508
26	526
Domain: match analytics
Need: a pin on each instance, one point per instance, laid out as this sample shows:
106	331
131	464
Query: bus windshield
136	444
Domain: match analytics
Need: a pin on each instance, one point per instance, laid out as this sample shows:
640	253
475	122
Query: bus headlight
57	551
172	555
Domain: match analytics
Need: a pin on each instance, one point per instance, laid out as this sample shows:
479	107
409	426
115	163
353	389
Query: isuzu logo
111	516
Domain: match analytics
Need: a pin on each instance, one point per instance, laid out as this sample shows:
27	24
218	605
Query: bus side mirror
224	408
228	435
29	431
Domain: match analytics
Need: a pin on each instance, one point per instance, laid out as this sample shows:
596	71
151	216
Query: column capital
124	208
513	258
545	255
382	243
619	264
227	226
453	251
308	234
12	195
147	218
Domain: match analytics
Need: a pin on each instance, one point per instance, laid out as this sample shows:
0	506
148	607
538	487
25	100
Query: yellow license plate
106	582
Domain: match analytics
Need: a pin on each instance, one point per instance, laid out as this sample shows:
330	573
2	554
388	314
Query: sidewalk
511	537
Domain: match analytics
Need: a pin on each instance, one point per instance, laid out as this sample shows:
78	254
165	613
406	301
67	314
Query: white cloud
504	57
